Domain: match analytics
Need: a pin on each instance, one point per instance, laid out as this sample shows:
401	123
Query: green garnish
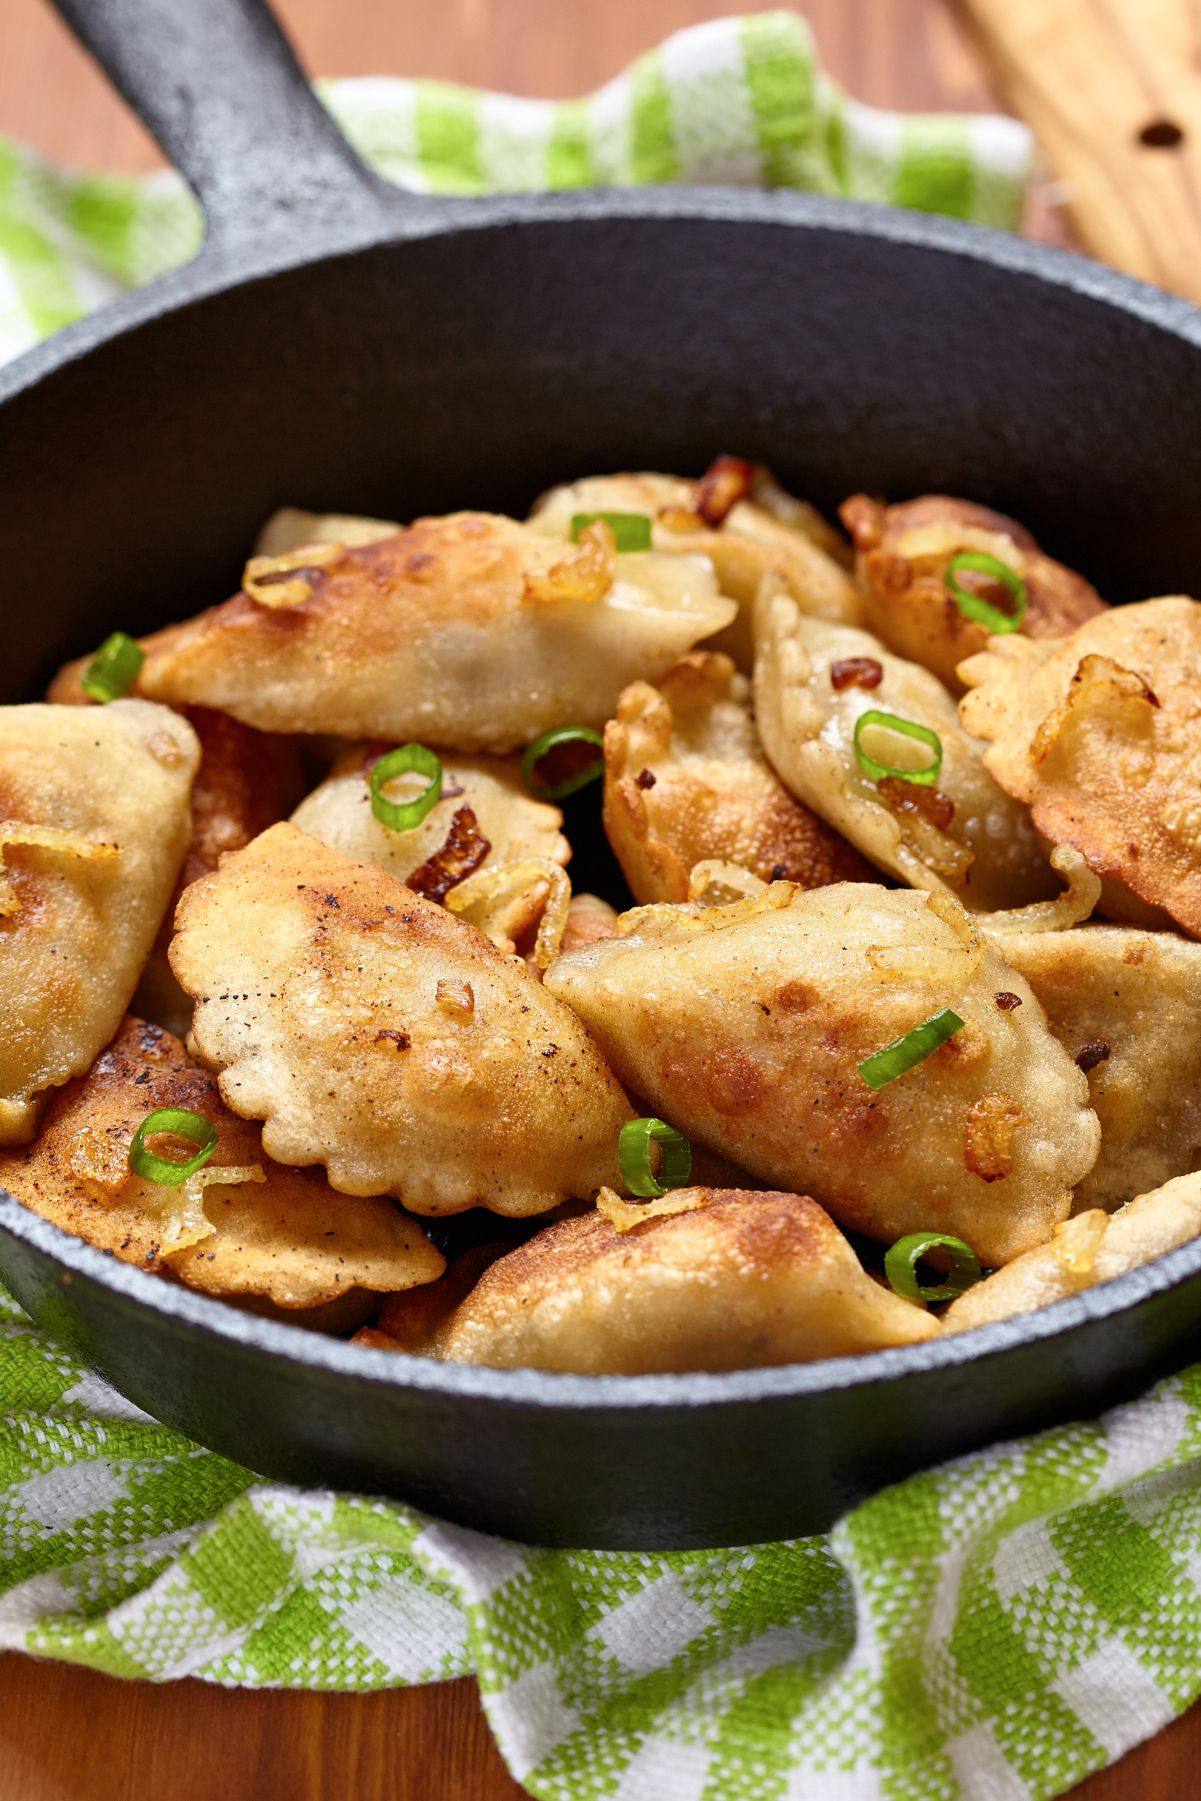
631	531
403	815
902	1258
972	606
634	1158
169	1172
561	734
906	728
114	669
906	1053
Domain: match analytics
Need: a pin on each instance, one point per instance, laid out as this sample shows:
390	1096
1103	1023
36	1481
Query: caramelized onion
46	837
283	581
725	482
587	574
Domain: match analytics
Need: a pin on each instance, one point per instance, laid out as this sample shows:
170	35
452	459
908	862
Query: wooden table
69	1735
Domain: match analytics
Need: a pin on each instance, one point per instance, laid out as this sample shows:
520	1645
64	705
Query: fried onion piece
1100	734
989	854
686	782
79	927
769	530
265	1230
514	825
1125	1004
1092	1248
902	555
745	1027
316	981
487	898
427	635
738	1280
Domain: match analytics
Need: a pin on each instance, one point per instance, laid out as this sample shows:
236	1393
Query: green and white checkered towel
733	101
995	1629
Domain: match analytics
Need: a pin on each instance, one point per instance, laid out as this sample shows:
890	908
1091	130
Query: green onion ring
631	531
561	734
902	1258
973	607
403	815
634	1157
114	669
166	1171
906	1053
908	728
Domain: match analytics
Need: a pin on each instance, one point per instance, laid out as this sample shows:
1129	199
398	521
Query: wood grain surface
72	1735
1113	90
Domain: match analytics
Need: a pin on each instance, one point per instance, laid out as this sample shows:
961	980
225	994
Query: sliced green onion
972	606
631	531
907	1052
902	1258
561	734
634	1157
403	815
168	1171
114	669
907	728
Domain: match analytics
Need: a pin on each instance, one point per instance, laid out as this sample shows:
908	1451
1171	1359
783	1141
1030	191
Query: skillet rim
552	1390
216	271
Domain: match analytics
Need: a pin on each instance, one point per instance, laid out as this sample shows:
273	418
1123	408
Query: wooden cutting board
1112	91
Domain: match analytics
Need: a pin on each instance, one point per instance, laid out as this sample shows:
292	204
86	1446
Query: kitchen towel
994	1629
732	101
990	1631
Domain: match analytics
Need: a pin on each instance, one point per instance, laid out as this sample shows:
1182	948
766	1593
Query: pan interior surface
474	367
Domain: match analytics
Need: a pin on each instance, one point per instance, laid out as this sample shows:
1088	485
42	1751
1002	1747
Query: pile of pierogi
885	1019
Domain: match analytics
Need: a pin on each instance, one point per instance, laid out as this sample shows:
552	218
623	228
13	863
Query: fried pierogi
588	918
1100	734
291	528
767	530
902	557
1127	1006
484	820
1085	1251
247	780
470	631
745	1027
813	683
282	1234
687	782
94	823
377	1034
736	1279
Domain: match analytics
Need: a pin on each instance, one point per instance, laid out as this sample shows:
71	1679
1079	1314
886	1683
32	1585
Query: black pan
338	344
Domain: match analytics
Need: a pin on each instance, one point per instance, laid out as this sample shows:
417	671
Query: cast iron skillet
338	344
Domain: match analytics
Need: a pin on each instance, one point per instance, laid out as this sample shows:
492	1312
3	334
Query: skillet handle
218	86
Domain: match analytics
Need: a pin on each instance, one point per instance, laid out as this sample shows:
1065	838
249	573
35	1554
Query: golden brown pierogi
485	820
292	527
377	1034
1085	1251
745	1025
768	530
813	681
686	781
902	556
742	1279
1127	1006
470	631
282	1234
1100	734
95	822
